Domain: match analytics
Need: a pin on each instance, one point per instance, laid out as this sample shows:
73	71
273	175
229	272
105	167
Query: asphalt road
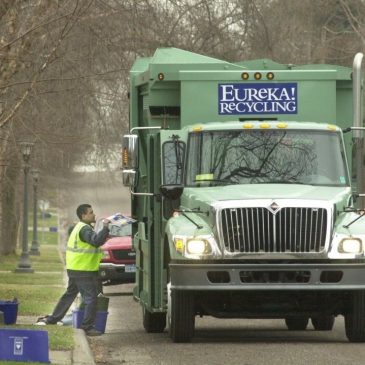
216	341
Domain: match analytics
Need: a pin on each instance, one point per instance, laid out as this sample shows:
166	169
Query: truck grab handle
142	128
357	102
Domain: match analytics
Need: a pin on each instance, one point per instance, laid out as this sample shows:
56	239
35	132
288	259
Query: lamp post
24	264
34	250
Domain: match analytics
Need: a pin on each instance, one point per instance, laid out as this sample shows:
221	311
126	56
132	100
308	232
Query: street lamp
24	264
34	250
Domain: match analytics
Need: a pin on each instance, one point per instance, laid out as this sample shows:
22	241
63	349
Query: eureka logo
265	98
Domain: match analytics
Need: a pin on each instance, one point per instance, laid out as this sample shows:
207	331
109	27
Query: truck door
148	253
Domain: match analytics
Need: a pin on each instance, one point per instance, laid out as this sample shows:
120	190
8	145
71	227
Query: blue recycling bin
10	310
100	320
24	345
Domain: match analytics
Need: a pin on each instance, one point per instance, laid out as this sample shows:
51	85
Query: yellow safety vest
81	255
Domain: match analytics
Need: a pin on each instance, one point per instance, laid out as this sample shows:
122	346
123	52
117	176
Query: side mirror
172	191
130	152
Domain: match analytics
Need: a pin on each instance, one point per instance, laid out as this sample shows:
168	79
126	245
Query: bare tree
64	68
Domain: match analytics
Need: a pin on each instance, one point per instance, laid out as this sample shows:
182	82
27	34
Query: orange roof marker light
245	76
258	76
247	125
282	125
197	128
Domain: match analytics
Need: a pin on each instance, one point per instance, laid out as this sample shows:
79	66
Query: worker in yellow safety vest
83	255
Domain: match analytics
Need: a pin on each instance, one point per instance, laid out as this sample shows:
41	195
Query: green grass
43	238
37	292
60	337
31	279
49	260
34	300
44	222
47	237
47	222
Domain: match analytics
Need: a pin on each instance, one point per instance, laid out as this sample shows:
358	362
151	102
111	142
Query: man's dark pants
87	286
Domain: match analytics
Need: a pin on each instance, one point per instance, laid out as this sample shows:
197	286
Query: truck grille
256	230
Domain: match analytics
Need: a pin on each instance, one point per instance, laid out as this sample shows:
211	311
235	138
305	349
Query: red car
118	265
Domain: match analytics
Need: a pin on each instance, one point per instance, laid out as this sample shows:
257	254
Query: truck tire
355	317
323	323
296	323
153	322
182	320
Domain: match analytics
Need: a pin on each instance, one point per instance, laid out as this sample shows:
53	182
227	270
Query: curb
81	355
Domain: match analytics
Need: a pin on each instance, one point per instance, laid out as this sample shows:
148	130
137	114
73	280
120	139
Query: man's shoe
42	321
93	332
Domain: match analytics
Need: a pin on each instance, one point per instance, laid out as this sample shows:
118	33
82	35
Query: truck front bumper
268	276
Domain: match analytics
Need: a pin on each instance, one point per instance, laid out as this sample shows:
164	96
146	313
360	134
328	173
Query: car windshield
266	156
120	231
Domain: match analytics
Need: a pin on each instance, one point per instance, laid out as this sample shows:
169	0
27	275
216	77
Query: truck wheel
355	317
296	323
323	323
153	322
182	320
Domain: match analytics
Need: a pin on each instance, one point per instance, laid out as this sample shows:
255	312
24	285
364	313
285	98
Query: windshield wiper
287	182
356	219
278	182
216	180
256	182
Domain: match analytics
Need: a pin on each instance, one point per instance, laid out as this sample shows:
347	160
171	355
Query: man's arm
87	234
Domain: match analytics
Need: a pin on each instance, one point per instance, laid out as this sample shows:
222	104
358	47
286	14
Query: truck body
244	188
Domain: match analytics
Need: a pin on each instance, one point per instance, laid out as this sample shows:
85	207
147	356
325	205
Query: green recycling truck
245	183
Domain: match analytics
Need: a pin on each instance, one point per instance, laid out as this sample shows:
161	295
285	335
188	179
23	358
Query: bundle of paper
119	219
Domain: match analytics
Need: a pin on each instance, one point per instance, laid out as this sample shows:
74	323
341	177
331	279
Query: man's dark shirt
87	234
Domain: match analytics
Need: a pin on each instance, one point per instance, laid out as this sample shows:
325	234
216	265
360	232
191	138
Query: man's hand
106	222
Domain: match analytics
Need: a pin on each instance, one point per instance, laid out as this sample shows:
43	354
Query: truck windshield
266	156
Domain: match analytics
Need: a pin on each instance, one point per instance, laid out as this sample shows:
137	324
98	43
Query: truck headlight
198	247
350	245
